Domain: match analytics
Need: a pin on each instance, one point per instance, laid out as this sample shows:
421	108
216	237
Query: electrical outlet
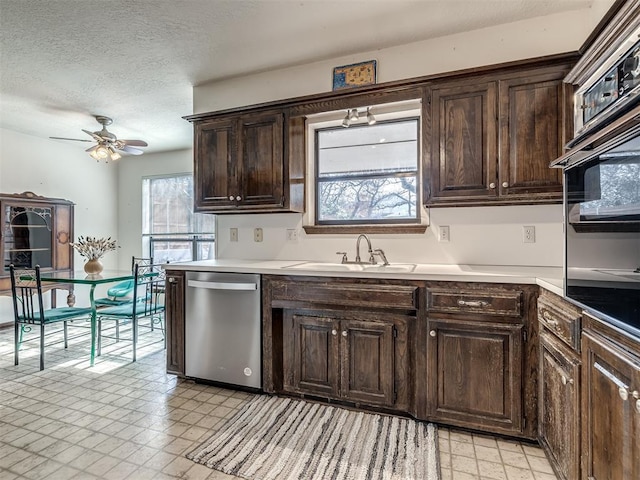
444	234
257	234
529	234
233	234
292	235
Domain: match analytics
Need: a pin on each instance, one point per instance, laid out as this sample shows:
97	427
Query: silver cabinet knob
238	198
624	393
171	280
505	184
231	197
635	394
433	333
344	333
566	380
334	332
492	186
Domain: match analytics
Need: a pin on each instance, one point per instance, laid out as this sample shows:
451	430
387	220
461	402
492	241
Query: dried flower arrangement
93	248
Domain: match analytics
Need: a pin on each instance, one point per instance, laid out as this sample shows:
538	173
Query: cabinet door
261	175
535	119
63	234
559	406
611	413
215	177
463	143
475	373
174	322
314	364
367	362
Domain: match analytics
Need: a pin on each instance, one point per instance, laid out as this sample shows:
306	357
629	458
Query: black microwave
602	225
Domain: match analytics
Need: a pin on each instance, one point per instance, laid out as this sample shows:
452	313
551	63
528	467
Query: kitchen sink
353	267
391	268
326	267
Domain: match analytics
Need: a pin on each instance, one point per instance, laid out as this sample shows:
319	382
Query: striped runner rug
275	438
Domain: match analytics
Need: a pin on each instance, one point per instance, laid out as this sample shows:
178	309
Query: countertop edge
549	278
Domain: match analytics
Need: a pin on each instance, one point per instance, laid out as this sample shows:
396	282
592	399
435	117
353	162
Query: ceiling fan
107	143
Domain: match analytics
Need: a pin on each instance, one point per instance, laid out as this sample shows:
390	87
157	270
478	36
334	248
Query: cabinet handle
472	303
334	332
344	333
492	186
433	333
638	406
566	380
624	393
635	394
238	198
171	280
505	184
231	197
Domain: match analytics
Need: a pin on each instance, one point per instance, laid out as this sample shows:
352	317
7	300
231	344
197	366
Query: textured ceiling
62	61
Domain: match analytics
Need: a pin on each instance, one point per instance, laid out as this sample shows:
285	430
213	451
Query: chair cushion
63	313
125	310
121	289
112	302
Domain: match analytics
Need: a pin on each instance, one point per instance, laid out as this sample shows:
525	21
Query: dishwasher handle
237	286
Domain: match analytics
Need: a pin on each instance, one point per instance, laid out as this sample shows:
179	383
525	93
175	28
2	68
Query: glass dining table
82	278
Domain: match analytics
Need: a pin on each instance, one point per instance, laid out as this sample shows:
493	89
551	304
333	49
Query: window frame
398	174
401	110
195	238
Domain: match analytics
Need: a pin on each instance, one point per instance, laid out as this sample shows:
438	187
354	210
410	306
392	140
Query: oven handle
223	285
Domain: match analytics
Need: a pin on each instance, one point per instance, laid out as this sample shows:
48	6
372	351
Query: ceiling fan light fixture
114	155
353	114
345	120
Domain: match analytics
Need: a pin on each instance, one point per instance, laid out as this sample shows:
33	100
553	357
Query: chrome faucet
370	251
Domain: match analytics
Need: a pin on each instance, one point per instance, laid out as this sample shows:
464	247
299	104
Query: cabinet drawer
485	302
561	319
349	294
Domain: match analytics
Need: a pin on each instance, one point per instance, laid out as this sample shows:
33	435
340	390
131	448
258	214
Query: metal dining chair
147	302
29	311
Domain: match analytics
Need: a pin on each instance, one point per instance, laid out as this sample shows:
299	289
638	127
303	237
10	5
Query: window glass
368	173
172	232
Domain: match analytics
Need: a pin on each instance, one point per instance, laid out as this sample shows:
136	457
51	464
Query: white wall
479	235
53	168
131	171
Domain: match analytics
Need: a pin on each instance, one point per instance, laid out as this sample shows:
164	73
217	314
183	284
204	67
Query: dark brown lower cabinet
475	374
341	357
174	321
559	406
611	409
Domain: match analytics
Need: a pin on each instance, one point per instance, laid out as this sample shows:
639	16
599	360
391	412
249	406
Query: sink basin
391	268
353	267
326	267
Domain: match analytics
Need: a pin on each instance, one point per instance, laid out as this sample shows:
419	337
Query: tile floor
121	420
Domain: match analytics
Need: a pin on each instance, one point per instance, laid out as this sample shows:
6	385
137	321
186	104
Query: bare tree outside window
368	173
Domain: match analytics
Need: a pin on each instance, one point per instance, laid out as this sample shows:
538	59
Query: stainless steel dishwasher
223	328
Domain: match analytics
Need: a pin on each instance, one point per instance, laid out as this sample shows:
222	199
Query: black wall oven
602	223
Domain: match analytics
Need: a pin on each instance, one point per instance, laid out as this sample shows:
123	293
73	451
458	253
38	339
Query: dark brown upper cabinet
491	137
242	163
463	142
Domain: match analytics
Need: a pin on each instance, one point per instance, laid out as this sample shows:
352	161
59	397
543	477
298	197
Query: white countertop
548	277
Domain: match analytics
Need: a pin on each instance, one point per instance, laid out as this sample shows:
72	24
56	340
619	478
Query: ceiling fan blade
96	137
131	150
134	143
74	139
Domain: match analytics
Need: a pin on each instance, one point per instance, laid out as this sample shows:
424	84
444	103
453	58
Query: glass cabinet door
27	235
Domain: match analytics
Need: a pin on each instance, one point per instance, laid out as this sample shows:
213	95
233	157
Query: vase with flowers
93	249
